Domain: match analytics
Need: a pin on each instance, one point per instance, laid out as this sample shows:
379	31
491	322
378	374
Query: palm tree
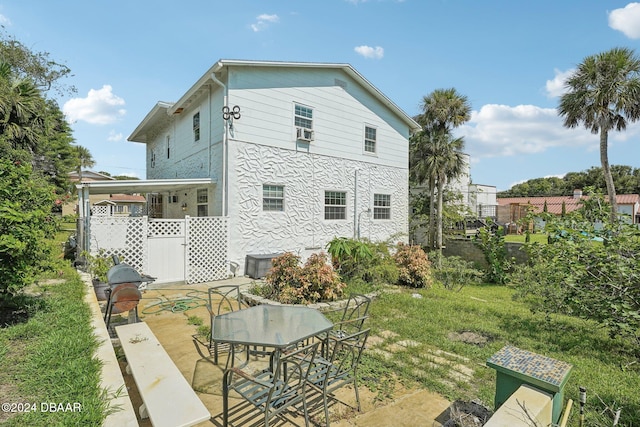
435	155
604	94
21	109
85	160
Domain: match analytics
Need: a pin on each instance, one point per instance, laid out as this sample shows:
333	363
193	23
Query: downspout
225	139
355	203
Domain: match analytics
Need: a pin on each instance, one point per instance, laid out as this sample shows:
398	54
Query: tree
435	155
604	94
85	160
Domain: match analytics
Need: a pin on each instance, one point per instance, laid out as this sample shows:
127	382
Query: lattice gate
193	249
207	247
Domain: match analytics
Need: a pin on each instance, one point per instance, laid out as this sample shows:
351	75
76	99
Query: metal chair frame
339	368
222	299
276	389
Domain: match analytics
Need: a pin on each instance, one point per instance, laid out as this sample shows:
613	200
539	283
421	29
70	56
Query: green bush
586	272
25	223
414	267
289	283
491	240
454	272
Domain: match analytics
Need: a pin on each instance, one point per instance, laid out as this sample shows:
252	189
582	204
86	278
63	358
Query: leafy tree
585	272
45	73
435	155
604	94
25	222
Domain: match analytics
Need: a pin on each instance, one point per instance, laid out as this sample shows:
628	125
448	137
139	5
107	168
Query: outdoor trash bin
515	367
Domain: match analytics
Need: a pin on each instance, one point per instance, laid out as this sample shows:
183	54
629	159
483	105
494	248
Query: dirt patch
469	337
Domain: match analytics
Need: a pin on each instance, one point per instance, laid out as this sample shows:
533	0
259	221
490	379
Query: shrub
414	268
289	283
454	272
491	240
25	222
350	257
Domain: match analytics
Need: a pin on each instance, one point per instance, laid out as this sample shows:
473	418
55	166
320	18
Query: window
335	205
202	199
381	206
196	126
303	117
152	159
370	139
168	146
272	198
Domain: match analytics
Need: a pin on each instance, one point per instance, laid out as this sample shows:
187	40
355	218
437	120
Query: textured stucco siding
301	227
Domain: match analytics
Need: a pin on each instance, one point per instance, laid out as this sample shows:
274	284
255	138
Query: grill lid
123	273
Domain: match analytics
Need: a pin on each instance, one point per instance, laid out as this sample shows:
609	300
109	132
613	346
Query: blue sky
508	57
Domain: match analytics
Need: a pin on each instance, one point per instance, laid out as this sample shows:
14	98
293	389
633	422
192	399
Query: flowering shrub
289	283
413	266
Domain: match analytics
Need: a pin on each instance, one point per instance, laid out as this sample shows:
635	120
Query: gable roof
169	108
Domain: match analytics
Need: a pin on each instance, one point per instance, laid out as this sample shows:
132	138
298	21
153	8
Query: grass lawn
520	238
607	368
48	375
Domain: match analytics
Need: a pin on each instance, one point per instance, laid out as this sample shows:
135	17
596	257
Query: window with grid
202	198
370	138
381	206
196	126
335	205
303	117
272	198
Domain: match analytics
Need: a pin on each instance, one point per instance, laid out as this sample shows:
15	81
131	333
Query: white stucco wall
301	227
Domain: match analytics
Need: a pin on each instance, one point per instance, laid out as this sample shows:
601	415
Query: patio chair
353	316
222	299
273	390
338	369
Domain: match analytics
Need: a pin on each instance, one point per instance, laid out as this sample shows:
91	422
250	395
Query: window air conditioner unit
304	134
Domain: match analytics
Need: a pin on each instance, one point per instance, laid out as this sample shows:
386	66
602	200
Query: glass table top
275	326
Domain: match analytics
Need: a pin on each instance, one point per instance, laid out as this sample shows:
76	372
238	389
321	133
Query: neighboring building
512	209
290	154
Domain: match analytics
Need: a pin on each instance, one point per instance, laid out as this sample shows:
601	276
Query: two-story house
294	154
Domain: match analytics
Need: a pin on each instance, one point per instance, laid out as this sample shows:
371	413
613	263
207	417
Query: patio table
274	326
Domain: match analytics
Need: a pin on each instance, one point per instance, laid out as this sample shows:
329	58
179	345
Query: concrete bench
168	399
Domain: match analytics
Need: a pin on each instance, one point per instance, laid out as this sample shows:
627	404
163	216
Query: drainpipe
355	203
225	139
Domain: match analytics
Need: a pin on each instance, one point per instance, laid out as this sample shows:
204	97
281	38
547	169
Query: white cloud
114	136
100	107
556	87
626	20
502	130
263	21
370	52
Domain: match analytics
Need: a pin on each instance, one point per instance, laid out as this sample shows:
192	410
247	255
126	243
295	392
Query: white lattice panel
207	243
167	228
125	237
100	210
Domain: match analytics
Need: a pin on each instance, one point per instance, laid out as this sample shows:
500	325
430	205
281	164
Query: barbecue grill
124	289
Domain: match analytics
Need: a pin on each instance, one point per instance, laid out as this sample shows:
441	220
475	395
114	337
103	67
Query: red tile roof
554	203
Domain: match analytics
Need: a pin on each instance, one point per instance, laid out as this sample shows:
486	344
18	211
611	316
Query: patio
170	311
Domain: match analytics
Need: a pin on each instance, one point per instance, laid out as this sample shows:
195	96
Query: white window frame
333	207
268	197
366	139
197	124
168	146
381	206
202	201
301	120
